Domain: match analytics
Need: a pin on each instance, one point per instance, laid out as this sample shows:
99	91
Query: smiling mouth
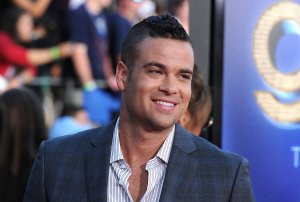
167	104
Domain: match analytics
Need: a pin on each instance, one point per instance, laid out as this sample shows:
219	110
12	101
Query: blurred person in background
135	10
43	13
17	63
98	28
74	4
36	8
49	30
88	25
197	116
22	128
128	9
74	119
181	10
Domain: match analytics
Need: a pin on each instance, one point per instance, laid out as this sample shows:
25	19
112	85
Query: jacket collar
181	167
96	162
183	140
104	135
179	174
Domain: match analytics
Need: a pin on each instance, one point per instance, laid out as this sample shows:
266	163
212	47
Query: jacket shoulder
210	152
79	142
200	147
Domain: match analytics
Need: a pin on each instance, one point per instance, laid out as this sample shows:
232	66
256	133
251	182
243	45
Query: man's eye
155	71
185	76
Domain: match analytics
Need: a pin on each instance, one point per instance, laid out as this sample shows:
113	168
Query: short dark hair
161	26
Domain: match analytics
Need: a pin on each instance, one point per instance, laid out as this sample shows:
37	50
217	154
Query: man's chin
162	124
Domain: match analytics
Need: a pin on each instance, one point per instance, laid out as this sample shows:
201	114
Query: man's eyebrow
162	66
149	64
186	71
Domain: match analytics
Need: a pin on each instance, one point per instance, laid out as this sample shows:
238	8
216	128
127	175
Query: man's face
157	91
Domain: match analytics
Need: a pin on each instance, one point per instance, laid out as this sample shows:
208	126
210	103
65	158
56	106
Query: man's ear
121	75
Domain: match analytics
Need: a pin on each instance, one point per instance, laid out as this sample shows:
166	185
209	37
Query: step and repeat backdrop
261	93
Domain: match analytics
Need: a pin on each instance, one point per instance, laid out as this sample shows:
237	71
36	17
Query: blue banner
261	93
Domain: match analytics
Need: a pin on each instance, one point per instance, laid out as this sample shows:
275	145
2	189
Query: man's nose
169	85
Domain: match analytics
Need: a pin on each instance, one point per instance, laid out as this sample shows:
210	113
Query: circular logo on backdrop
276	50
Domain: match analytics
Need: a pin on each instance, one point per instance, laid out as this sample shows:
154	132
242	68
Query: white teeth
167	104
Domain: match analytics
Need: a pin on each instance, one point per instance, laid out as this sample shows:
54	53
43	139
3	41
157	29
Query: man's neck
139	145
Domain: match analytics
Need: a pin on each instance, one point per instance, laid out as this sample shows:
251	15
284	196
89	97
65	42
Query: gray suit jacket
75	168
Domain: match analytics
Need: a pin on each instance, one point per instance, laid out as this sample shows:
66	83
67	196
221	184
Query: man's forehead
150	38
154	52
161	41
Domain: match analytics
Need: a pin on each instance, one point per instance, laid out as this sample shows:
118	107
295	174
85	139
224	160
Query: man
144	155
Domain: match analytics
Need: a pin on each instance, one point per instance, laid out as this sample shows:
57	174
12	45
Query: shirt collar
116	152
163	153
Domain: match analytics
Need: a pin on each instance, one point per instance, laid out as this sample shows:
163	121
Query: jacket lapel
181	167
96	163
179	174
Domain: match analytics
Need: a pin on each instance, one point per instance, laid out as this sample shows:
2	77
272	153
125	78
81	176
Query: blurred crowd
57	72
67	50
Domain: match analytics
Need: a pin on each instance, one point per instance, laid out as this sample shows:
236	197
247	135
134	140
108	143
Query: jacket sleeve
35	190
242	188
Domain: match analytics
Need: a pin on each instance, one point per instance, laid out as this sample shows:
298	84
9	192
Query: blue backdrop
271	145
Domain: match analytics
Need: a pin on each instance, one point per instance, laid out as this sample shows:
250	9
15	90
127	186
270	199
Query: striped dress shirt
119	171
